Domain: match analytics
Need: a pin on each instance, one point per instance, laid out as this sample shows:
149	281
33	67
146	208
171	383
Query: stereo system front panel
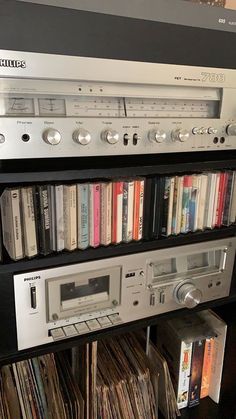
59	303
60	106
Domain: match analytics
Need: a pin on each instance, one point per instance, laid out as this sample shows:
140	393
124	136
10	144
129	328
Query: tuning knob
187	294
52	136
157	135
180	135
231	129
82	136
110	136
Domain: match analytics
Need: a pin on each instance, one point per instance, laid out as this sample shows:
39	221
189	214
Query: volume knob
231	129
157	135
52	136
187	294
110	136
82	136
180	135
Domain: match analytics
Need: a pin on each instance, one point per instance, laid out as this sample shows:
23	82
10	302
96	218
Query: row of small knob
83	137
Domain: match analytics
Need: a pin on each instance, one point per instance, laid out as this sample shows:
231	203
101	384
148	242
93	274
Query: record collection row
42	219
118	378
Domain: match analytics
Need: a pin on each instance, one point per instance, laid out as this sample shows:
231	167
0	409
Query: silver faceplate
141	285
42	95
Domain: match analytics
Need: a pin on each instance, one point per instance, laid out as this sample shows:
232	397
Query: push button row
85	327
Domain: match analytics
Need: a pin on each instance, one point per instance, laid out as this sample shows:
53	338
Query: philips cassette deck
63	106
59	303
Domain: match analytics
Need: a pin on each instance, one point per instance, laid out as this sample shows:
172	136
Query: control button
104	321
195	131
210	285
188	295
222	140
110	136
204	130
52	136
215	140
162	297
93	324
136	138
81	136
157	135
126	139
218	283
2	138
82	327
231	129
70	330
152	299
115	318
57	334
180	135
33	297
212	130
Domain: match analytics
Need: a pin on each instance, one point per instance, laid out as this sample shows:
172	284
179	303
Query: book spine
44	220
141	203
17	223
187	188
59	218
166	196
179	204
125	212
94	206
228	199
174	211
184	374
83	215
52	214
222	204
28	221
170	206
70	217
202	202
218	199
119	217
206	368
197	201
136	208
106	203
196	372
232	216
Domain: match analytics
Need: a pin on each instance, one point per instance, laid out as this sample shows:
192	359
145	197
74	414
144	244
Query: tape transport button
70	330
82	327
57	333
93	324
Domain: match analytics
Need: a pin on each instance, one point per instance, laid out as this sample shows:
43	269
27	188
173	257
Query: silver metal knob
231	129
157	135
180	135
212	130
187	294
52	136
110	136
81	136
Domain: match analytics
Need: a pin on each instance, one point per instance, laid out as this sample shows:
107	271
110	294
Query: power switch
33	297
152	299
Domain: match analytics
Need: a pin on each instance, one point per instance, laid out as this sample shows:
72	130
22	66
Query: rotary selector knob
82	136
231	129
157	135
180	135
187	294
52	136
110	136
